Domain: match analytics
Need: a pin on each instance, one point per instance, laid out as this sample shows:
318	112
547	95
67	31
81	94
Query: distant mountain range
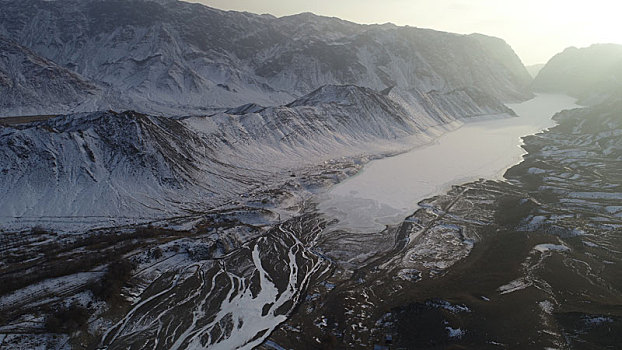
591	74
105	164
173	57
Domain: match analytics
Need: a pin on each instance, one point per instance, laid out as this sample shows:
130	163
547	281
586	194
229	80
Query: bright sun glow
536	29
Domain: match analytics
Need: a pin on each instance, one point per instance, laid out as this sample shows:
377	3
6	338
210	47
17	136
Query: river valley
387	190
529	261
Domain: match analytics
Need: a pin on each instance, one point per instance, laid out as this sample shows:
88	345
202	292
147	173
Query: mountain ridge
177	58
139	167
591	74
28	80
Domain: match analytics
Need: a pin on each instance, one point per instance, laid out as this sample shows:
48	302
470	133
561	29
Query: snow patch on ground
455	332
513	286
551	247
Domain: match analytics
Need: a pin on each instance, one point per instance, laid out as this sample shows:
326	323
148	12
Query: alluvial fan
233	302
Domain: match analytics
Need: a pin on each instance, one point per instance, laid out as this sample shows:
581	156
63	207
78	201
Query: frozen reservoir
387	190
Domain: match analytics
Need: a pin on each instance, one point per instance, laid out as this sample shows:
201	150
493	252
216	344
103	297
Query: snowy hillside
591	74
128	165
177	58
30	84
262	96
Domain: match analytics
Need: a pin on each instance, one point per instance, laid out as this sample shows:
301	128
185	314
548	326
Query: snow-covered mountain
129	165
263	96
31	84
591	74
172	57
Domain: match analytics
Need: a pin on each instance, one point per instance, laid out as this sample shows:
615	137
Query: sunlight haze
536	29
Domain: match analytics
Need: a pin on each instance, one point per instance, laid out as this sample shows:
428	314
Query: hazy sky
536	29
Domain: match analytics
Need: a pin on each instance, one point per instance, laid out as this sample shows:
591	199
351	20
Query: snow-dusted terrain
542	245
233	303
173	57
263	103
105	168
31	84
196	229
198	226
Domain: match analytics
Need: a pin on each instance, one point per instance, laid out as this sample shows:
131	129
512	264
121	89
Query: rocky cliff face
31	84
173	57
591	74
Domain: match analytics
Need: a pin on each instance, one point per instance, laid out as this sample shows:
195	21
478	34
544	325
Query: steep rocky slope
128	165
591	74
31	84
173	57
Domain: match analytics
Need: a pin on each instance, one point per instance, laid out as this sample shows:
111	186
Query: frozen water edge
387	190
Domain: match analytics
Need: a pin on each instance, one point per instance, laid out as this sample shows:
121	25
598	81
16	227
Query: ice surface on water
388	190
